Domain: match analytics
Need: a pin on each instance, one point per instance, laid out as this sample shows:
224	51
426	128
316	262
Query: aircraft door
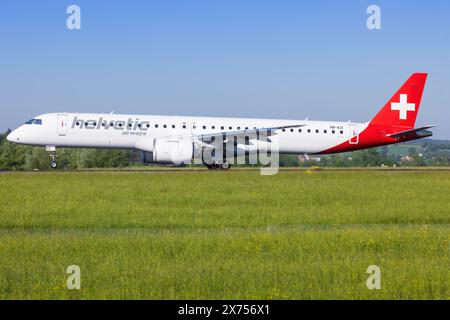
354	134
62	123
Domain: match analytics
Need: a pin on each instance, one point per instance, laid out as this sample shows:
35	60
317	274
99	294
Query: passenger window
231	128
317	131
164	125
324	131
300	130
148	125
342	132
239	128
333	132
173	126
184	126
222	128
292	130
283	130
156	126
309	130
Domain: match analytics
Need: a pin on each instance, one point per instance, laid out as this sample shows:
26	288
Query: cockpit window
34	121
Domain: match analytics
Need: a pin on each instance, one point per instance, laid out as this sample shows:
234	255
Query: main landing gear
53	157
218	166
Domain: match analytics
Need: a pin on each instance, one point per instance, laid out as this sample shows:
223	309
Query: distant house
406	159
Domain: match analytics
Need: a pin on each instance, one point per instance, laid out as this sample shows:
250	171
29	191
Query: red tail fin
401	110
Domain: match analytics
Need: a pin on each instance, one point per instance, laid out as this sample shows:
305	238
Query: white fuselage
129	131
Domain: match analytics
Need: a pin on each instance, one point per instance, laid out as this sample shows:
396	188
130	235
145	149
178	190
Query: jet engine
167	151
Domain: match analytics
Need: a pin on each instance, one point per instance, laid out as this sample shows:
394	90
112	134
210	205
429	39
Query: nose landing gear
53	157
53	163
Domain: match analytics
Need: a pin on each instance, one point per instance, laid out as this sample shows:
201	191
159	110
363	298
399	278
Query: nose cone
12	137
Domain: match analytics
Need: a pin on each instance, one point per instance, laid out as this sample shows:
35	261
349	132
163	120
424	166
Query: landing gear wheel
225	166
53	157
218	166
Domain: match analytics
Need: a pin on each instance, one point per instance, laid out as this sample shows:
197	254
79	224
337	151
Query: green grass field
225	235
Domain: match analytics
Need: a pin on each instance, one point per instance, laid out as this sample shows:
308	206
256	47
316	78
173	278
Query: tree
412	151
289	160
97	158
37	158
12	156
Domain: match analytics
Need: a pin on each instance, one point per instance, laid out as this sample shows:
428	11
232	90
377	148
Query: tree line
426	152
18	157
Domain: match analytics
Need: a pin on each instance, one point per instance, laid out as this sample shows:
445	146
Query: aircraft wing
418	132
243	133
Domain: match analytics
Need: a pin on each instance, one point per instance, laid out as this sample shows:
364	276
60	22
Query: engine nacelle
176	151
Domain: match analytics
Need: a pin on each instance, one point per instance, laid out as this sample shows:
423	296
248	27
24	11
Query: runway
203	170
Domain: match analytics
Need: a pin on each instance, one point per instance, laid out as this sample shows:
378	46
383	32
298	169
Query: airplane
175	139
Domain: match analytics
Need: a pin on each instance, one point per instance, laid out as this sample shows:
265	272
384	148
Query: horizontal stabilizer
418	132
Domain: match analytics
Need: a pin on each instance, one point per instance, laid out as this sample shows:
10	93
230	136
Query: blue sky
247	58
